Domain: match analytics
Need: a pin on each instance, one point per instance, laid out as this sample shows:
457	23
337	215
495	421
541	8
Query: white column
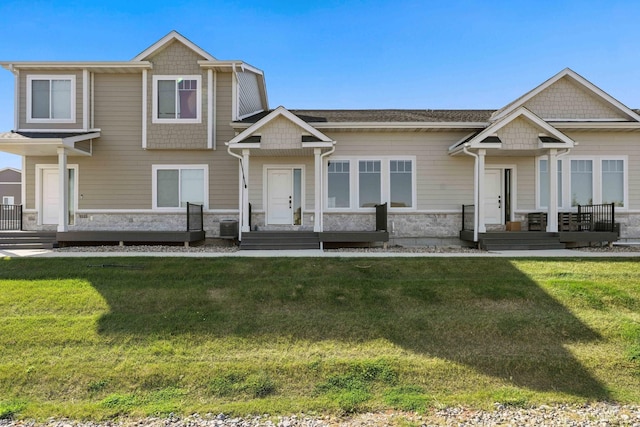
245	191
552	211
317	219
480	202
63	191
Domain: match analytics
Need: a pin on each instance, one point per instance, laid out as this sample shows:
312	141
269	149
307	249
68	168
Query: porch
587	226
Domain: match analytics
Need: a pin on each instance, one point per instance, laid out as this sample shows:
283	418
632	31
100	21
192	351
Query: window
613	182
177	99
361	183
8	200
544	183
581	182
585	180
369	182
174	186
401	184
338	180
51	99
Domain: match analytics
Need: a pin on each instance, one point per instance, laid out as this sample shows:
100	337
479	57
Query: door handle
289	202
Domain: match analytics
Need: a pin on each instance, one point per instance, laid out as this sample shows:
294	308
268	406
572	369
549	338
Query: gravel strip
597	414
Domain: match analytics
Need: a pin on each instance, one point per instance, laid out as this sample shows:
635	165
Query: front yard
103	337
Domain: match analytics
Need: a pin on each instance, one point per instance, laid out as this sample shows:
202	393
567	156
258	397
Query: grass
102	338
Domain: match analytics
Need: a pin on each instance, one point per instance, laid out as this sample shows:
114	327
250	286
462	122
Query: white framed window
360	183
8	200
51	99
585	180
176	185
338	184
177	99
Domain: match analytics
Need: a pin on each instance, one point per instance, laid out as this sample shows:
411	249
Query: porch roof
47	143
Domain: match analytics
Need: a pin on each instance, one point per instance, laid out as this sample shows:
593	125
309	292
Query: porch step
279	240
12	240
514	241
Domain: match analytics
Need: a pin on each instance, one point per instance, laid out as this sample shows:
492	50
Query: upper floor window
51	99
177	99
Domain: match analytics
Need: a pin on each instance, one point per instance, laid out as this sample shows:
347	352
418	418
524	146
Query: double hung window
50	99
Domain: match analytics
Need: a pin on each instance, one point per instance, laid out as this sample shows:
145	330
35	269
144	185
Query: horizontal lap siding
118	175
443	182
614	144
23	101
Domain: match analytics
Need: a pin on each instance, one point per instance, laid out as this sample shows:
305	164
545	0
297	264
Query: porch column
480	202
317	219
63	191
244	209
552	211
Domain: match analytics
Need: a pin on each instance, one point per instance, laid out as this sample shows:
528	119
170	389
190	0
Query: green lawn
99	338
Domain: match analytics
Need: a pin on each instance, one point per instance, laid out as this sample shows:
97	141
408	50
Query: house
10	186
126	145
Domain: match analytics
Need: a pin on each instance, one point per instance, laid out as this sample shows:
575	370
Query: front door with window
493	197
50	198
284	196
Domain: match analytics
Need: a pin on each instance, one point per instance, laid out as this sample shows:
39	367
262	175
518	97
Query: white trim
175	77
567	72
265	187
60	130
16	100
215	110
514	184
234	94
596	184
145	112
9	183
173	35
92	122
85	99
278	112
154	185
75	65
210	129
385	184
73	100
39	168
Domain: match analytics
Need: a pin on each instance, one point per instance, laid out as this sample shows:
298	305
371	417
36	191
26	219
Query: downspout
475	190
244	188
321	187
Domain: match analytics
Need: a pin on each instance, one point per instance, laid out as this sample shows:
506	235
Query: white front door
50	198
279	196
493	197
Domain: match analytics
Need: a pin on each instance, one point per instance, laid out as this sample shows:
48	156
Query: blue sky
350	54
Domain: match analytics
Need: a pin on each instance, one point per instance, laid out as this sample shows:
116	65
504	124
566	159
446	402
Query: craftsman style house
126	145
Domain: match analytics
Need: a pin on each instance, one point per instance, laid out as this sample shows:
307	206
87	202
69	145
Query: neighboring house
10	186
124	145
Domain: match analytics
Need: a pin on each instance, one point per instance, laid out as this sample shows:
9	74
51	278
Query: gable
176	58
281	133
10	175
567	100
519	134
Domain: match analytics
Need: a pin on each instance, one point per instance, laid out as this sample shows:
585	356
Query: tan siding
615	144
23	102
177	59
567	100
224	171
442	182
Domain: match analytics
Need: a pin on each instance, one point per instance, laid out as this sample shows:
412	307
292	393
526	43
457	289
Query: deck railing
601	217
468	216
10	217
195	220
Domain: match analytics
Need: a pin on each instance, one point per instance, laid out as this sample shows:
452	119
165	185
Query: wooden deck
515	240
122	238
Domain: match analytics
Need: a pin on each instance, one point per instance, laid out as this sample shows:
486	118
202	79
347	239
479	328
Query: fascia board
173	35
91	65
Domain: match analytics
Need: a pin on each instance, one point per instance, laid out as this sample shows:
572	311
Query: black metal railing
10	217
195	220
381	217
599	217
468	217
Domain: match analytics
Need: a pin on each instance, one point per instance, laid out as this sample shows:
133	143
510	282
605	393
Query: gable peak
172	36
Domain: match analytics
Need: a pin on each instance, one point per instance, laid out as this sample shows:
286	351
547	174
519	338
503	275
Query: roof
384	116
